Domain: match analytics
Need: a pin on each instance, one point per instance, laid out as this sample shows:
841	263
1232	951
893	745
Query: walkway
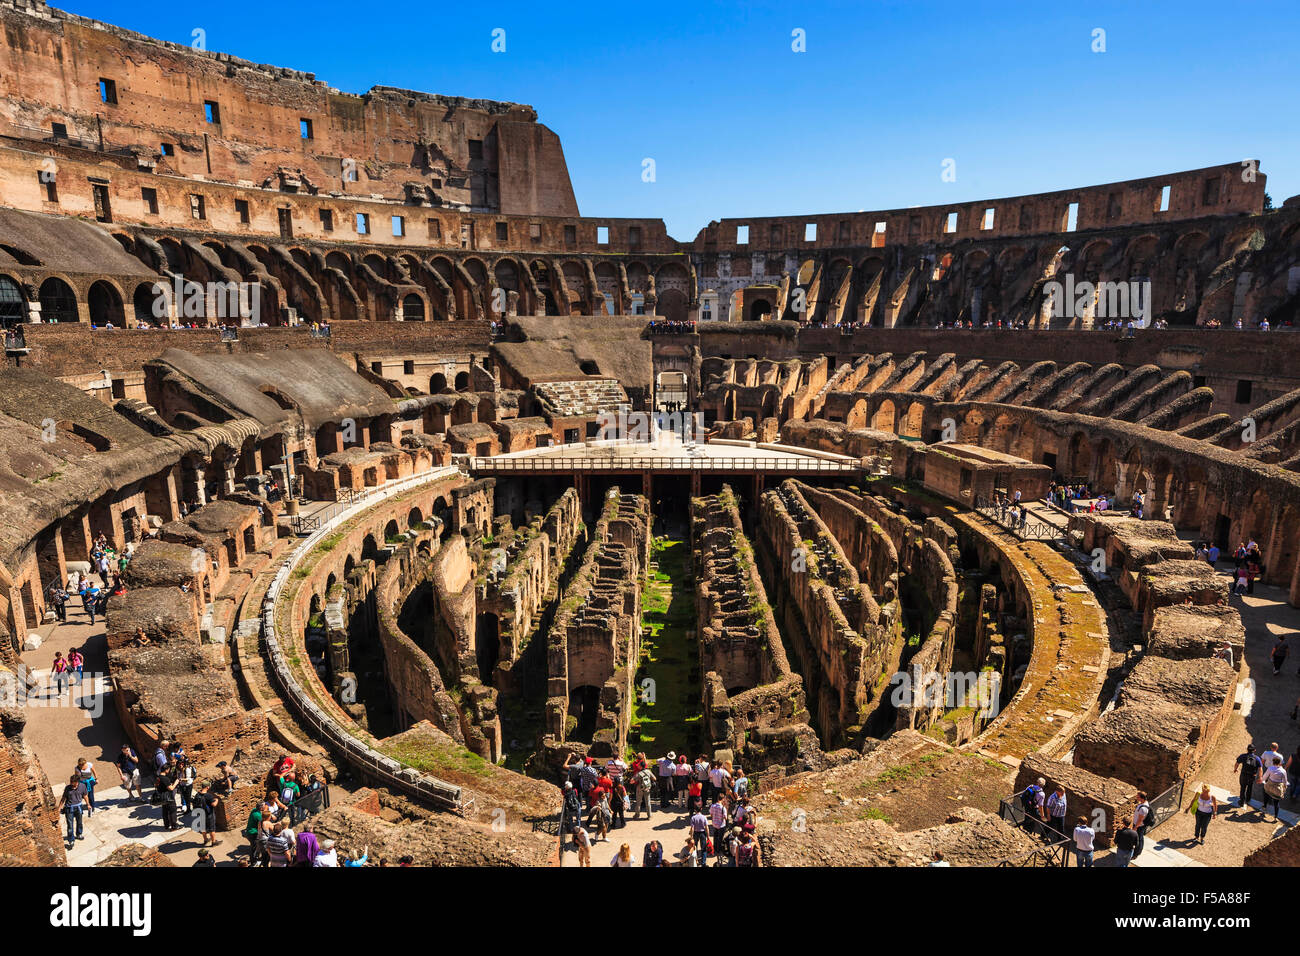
1262	720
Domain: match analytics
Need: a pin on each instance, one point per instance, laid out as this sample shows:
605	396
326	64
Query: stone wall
754	708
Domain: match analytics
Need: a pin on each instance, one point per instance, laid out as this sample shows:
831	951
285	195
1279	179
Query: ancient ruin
387	459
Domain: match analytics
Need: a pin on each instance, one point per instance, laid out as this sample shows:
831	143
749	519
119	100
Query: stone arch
414	517
58	301
413	308
13	304
105	304
437	383
884	416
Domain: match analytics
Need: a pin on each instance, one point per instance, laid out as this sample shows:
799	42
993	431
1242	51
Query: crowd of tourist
712	796
669	327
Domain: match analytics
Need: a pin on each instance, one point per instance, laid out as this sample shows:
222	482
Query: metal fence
1038	530
1165	806
535	463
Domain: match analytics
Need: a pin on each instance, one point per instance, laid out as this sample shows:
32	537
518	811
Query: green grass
673	721
430	758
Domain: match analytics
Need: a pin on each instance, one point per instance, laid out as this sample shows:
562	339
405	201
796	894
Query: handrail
350	748
650	463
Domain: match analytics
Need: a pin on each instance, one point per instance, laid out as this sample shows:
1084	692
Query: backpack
1029	799
745	854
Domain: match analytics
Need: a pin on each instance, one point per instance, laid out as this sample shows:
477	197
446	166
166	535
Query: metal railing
1056	853
1038	530
535	463
1166	805
315	720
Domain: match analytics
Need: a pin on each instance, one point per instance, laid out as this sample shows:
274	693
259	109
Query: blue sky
739	124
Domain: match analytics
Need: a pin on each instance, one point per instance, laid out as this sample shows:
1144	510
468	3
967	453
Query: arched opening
58	304
13	307
391	532
146	302
584	708
412	309
758	310
437	383
487	646
106	306
414	518
369	549
462	381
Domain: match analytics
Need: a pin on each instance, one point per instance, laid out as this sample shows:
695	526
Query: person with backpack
1275	783
618	802
1140	822
653	854
642	783
1249	767
1031	802
748	852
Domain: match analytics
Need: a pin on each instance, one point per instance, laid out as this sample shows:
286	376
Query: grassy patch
668	655
428	757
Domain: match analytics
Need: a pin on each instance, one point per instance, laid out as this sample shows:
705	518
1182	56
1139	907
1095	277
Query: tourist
718	819
604	815
1224	653
209	800
936	859
328	855
128	765
1126	841
1280	651
72	804
1272	755
354	858
1083	837
185	777
205	859
618	804
1275	783
740	786
165	786
86	774
1248	767
666	766
1056	808
1141	821
306	850
1207	808
160	758
681	780
720	780
623	857
700	831
1031	802
253	829
570	810
748	852
643	782
700	774
687	856
61	671
280	845
582	840
694	795
76	666
653	854
1293	771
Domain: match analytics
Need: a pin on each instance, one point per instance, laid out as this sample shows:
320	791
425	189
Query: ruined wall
754	708
595	637
29	821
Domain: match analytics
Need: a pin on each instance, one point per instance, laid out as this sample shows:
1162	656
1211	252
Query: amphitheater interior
421	477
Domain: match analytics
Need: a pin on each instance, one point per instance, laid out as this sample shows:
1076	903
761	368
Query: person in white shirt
1083	836
1275	782
328	856
623	857
1271	754
1206	809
